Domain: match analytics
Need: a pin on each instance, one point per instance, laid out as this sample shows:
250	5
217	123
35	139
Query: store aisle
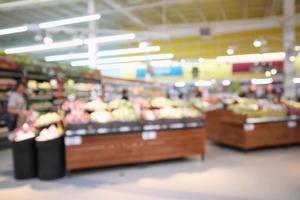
226	174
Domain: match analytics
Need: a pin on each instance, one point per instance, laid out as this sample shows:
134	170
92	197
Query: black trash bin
24	157
51	159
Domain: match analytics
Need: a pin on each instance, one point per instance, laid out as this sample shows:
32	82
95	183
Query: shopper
17	105
125	94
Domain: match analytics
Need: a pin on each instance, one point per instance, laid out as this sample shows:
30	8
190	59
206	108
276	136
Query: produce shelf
236	130
100	150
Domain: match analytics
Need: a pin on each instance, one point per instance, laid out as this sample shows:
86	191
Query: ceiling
150	19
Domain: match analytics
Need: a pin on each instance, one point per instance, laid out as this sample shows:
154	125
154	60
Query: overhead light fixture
230	50
297	48
48	40
12	30
292	58
296	80
125	59
179	84
133	65
115	52
113	38
275	56
268	74
143	44
273	71
226	82
257	43
201	60
43	47
203	83
263	81
68	21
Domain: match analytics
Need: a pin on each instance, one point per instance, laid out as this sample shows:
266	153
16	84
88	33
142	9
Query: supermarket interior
150	99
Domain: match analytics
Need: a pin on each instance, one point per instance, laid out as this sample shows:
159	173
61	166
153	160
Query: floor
226	174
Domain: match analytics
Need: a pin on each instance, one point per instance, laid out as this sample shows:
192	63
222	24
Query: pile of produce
164	108
95	105
24	133
102	116
257	108
50	133
100	112
292	106
47	119
75	112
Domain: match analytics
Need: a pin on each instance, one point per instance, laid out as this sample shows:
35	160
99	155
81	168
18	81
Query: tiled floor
225	174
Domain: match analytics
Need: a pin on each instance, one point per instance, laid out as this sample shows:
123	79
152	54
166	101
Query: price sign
70	141
81	132
69	132
102	130
249	127
151	127
192	124
124	129
292	124
149	135
176	125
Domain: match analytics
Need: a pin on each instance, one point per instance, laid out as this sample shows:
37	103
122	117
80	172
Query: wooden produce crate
251	133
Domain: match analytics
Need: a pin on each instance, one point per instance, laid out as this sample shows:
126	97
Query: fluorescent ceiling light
257	43
253	57
133	65
143	44
48	40
297	48
125	59
202	83
43	47
263	81
102	53
296	80
201	60
268	74
273	71
113	38
226	82
179	84
292	58
12	30
68	21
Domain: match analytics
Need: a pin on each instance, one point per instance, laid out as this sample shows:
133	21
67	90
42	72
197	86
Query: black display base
24	157
51	159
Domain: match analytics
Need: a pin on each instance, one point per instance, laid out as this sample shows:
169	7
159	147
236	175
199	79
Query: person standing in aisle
17	105
125	94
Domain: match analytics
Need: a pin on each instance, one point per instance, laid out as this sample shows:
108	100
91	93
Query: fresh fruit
47	119
102	116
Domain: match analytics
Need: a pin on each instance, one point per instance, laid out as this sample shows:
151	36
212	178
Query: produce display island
236	130
91	148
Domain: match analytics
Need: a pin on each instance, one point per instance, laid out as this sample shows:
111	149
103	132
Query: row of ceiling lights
143	47
258	43
209	83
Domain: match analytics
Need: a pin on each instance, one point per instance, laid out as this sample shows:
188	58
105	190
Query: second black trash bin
51	158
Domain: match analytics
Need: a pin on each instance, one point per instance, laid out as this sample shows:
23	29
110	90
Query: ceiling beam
125	12
222	10
23	4
245	9
180	14
274	7
220	27
150	5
